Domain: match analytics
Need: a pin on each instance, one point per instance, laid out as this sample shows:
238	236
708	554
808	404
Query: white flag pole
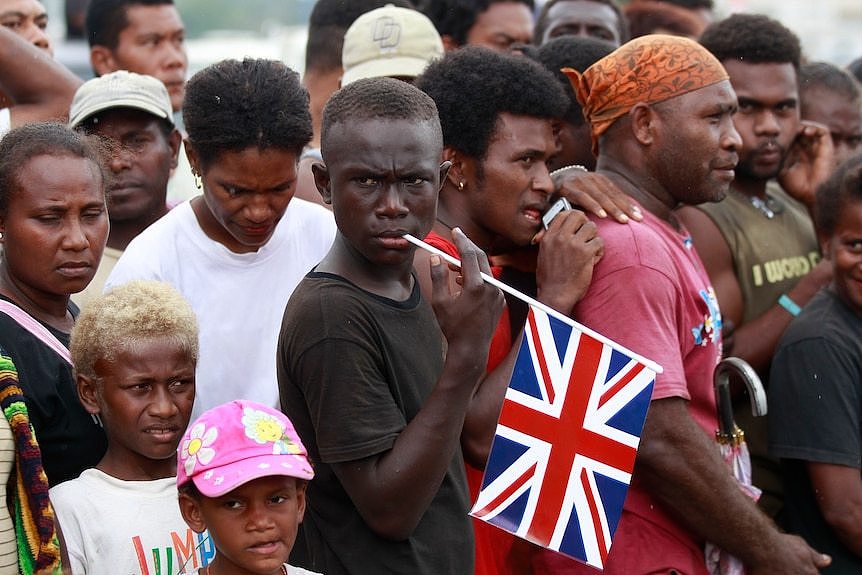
536	303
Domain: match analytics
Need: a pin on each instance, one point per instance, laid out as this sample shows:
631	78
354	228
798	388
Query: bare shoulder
708	239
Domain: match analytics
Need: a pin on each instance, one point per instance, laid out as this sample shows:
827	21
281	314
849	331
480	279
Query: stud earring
461	186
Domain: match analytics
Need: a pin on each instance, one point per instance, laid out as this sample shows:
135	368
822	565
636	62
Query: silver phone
561	205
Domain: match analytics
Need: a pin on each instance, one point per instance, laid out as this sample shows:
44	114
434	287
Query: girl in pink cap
242	473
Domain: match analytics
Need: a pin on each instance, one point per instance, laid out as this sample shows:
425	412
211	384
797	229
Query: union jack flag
566	440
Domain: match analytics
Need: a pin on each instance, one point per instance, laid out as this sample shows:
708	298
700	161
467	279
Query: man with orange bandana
661	113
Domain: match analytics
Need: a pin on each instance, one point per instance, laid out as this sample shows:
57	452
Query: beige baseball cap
120	89
391	42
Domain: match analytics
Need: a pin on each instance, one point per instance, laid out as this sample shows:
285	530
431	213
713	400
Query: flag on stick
566	440
568	433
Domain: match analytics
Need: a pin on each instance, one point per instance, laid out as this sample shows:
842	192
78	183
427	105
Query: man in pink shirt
661	111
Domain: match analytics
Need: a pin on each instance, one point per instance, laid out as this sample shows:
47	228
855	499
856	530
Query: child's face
144	398
253	527
382	177
844	249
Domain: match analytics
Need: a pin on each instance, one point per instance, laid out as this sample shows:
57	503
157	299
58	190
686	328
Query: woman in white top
237	251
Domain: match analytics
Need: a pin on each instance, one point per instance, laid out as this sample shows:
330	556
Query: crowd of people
220	355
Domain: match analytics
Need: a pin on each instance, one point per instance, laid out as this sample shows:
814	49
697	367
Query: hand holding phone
561	205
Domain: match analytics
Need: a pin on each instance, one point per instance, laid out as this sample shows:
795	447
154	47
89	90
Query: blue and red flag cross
566	441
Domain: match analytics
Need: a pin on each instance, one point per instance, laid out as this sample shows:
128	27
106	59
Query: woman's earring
198	181
461	186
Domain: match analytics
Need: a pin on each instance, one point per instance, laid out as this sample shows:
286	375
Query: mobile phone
561	205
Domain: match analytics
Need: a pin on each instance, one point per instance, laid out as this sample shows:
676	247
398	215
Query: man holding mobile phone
758	245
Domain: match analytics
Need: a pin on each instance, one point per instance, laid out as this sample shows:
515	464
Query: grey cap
120	89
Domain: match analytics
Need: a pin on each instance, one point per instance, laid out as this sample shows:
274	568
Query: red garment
502	341
497	552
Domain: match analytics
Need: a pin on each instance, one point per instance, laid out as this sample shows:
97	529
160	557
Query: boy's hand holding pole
467	318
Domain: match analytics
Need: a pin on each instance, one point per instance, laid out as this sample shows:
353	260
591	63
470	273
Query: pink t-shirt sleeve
638	308
642	298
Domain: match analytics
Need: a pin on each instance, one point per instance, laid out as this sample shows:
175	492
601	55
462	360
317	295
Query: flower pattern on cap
197	447
264	428
237	442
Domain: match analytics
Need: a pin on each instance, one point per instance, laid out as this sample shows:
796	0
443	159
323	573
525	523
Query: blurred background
218	29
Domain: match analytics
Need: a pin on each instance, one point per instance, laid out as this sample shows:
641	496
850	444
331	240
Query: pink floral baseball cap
237	442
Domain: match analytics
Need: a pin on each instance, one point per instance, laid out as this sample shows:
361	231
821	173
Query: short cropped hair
692	4
24	143
542	20
231	106
105	19
828	77
455	18
843	187
136	311
371	98
472	86
327	24
752	39
575	52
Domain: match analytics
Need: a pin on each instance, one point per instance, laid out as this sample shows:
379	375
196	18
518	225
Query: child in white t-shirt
134	350
242	473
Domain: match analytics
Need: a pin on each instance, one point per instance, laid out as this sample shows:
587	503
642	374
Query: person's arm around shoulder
41	88
393	490
682	468
595	193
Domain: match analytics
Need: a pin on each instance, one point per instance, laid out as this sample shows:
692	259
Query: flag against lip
566	440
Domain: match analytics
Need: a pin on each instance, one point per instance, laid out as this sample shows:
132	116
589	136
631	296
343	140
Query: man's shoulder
335	293
321	294
635	244
774	189
325	303
735	210
649	230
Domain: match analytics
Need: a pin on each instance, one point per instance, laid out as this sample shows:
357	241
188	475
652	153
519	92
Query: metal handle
721	381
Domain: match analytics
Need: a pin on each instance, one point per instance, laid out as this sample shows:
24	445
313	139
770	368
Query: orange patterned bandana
648	69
